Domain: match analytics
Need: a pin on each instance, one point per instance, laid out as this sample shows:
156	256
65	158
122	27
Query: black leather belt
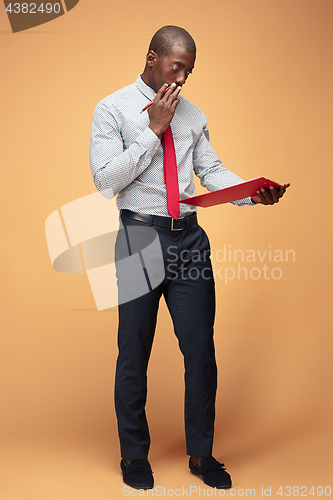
165	222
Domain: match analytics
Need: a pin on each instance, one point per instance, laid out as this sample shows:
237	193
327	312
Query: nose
181	77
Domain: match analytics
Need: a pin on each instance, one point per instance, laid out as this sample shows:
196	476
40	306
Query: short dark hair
168	36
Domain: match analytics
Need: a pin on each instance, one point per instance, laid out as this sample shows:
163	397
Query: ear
151	58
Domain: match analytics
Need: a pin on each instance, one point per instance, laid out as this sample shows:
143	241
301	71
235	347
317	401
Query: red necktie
170	173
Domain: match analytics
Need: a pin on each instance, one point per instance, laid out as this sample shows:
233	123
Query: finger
160	92
175	104
175	89
267	195
176	92
169	91
281	191
261	197
275	194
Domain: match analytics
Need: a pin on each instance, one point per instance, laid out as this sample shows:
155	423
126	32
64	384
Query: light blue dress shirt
126	156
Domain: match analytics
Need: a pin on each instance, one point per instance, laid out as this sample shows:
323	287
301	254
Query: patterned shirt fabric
126	155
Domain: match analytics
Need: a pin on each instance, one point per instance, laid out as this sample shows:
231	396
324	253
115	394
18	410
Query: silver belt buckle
172	228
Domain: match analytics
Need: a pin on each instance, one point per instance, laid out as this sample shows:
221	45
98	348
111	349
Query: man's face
173	68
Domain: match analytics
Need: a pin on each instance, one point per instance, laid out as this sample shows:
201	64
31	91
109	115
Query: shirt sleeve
212	173
113	167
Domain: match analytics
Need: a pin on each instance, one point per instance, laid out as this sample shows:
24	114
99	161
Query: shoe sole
140	487
224	487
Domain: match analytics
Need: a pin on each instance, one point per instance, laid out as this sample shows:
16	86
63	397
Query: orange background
263	77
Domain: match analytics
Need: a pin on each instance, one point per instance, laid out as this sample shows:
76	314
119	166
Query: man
127	154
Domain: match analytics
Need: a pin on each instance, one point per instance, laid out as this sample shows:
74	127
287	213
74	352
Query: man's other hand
271	195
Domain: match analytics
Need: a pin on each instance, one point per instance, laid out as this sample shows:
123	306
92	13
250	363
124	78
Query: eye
175	68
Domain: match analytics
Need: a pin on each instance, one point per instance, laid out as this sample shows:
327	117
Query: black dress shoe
138	473
213	472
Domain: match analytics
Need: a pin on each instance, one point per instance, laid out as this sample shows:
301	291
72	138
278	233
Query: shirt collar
146	91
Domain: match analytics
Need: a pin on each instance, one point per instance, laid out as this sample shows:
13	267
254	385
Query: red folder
232	193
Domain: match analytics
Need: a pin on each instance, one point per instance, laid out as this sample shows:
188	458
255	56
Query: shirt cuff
149	140
244	201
